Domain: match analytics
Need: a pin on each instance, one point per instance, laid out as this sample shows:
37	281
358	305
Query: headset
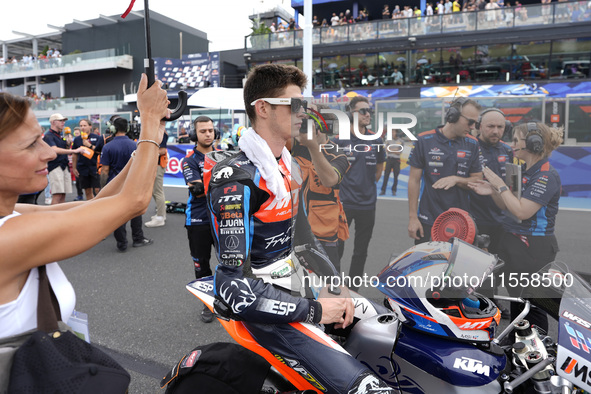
193	129
116	119
508	124
533	140
455	110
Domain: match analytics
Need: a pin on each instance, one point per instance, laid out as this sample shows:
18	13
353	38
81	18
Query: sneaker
393	193
382	193
206	315
79	198
157	221
143	242
122	249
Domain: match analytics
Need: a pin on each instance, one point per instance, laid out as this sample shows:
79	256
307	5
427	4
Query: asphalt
140	312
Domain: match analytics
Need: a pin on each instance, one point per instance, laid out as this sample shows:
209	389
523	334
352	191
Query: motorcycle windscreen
468	264
573	360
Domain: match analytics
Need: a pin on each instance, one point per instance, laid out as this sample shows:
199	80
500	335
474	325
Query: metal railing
57	64
501	18
64	105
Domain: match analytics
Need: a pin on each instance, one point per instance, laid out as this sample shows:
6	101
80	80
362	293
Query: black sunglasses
365	111
297	104
471	122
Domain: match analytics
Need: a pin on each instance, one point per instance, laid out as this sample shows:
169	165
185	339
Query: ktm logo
472	365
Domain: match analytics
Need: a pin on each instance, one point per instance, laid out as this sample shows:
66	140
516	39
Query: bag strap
48	308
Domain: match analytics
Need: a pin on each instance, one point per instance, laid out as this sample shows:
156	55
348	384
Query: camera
134	130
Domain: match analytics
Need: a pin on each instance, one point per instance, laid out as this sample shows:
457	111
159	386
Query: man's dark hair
200	119
121	124
355	100
268	81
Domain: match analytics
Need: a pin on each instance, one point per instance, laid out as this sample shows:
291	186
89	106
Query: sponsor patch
232	242
472	365
224	173
191	359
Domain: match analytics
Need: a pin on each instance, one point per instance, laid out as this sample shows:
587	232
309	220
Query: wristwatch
502	189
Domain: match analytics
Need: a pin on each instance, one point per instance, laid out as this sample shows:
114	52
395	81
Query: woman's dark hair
13	112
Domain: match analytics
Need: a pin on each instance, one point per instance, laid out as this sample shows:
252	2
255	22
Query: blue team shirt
53	138
496	157
541	184
116	154
358	189
440	157
85	165
196	212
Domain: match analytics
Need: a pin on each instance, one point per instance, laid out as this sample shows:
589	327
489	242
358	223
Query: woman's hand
495	180
153	104
484	188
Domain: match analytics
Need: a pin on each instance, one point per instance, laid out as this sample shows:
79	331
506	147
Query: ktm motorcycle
438	334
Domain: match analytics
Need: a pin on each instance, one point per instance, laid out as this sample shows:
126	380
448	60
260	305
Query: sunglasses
471	122
296	103
364	111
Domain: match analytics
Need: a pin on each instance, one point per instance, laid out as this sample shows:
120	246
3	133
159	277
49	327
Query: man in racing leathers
252	201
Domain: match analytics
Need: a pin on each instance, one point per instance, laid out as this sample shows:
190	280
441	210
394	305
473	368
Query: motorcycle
437	334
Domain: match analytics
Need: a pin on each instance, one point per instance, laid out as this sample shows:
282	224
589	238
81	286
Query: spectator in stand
429	10
417	12
386	12
363	16
272	27
324	23
315	22
396	14
447	6
342	19
292	24
397	77
334	21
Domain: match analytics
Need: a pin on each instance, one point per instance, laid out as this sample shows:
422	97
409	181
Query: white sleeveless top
20	315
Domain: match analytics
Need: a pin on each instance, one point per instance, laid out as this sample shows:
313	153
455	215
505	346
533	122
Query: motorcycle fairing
573	360
459	364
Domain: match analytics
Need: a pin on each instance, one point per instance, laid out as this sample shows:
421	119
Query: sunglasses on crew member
296	103
471	122
364	111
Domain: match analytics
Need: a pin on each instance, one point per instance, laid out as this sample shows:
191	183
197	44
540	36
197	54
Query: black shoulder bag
56	361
